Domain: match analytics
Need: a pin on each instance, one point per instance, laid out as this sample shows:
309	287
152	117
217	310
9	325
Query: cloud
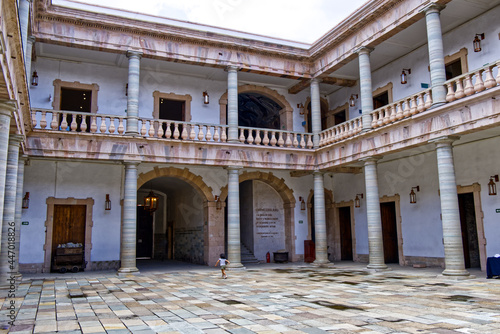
296	20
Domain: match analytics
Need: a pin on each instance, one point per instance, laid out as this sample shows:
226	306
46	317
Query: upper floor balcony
472	106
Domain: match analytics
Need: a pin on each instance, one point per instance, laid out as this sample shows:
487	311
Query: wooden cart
69	258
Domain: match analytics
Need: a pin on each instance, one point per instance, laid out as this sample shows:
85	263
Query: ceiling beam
339	82
303	84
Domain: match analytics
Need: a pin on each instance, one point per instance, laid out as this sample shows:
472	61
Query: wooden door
389	232
69	225
345	233
144	245
469	230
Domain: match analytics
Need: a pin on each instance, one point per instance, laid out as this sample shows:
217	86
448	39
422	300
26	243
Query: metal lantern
151	202
107	203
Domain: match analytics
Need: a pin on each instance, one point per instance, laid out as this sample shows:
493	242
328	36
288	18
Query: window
456	64
76	97
382	96
337	116
172	106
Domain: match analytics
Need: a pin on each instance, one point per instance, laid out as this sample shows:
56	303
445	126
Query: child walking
222	260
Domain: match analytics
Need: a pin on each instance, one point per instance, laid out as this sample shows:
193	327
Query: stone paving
287	298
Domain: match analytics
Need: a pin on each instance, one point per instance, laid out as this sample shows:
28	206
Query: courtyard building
125	136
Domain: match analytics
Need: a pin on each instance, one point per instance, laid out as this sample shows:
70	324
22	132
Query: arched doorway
270	202
330	228
185	217
265	95
324	112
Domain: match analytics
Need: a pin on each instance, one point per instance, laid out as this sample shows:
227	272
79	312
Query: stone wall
188	244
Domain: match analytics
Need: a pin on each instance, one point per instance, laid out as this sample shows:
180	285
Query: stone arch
193	180
286	113
324	106
329	218
213	218
286	195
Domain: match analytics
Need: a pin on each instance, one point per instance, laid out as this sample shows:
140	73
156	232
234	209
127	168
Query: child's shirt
222	262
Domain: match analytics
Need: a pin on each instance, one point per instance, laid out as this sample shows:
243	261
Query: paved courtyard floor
268	298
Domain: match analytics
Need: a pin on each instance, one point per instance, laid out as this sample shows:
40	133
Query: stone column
232	104
134	65
129	221
452	232
365	87
315	112
436	54
19	211
6	110
233	217
24	19
375	238
27	59
8	238
320	219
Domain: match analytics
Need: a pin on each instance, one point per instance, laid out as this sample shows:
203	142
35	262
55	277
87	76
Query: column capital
134	54
7	107
315	81
232	168
318	172
363	50
15	139
31	39
131	163
371	160
444	141
432	8
232	68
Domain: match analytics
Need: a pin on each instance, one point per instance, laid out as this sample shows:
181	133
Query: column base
456	274
128	271
323	264
132	134
377	267
236	266
437	104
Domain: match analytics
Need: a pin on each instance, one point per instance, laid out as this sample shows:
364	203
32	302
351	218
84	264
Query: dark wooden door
144	245
345	233
469	230
389	232
69	225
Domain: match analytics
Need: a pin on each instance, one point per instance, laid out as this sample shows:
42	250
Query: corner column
232	104
320	219
129	222
365	87
315	112
8	237
375	237
6	110
27	58
436	54
19	211
134	64
233	217
452	233
24	18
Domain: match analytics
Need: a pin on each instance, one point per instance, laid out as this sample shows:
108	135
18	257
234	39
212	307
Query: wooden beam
346	169
339	82
300	173
303	84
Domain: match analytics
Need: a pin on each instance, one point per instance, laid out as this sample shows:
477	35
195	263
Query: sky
297	20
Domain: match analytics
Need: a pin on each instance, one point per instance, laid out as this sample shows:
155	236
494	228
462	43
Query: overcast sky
296	20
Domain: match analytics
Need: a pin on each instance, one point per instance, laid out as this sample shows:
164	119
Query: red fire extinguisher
268	257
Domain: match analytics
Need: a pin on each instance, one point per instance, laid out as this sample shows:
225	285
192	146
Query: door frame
475	189
336	225
49	227
396	200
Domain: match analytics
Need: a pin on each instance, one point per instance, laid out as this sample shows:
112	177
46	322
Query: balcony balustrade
67	121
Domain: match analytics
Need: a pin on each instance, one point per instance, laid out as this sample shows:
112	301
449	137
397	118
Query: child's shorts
223	267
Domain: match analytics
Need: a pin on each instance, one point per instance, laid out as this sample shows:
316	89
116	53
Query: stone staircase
247	256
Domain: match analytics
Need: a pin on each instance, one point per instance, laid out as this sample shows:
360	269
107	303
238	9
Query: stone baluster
121	128
112	128
258	140
469	88
273	138
479	85
151	132
102	129
489	81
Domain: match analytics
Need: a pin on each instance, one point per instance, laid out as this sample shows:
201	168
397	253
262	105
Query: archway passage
258	111
175	230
